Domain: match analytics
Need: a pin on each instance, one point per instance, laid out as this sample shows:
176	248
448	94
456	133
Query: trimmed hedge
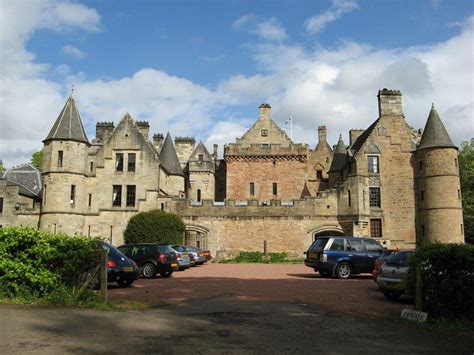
155	226
38	264
256	257
447	279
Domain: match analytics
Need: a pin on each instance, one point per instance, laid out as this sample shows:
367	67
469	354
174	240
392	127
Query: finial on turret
432	106
72	90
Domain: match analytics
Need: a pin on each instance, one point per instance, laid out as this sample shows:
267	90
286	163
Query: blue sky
201	68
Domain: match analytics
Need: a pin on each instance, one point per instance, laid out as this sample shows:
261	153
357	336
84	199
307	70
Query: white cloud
73	52
337	10
269	29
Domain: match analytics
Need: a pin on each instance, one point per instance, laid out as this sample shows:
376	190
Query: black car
343	256
120	269
152	258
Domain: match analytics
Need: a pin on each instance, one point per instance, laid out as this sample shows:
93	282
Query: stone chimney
265	111
354	134
214	155
390	103
158	141
144	128
103	131
322	134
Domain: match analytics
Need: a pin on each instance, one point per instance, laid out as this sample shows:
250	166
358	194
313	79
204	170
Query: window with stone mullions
117	195
376	228
374	196
119	162
373	164
131	191
131	162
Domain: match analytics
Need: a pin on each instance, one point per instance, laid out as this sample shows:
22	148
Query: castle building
390	182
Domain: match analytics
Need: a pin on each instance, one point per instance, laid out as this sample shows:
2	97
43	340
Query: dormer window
200	158
319	174
373	164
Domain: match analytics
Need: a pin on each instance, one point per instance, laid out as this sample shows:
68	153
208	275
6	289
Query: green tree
466	175
37	159
155	226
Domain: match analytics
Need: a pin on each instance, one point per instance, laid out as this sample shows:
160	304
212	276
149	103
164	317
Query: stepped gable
27	177
435	134
200	149
339	160
169	158
68	125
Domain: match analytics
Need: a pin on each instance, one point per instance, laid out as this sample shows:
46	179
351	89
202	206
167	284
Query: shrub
37	264
155	226
447	279
256	257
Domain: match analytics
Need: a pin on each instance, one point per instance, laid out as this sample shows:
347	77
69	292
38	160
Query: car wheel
124	283
392	295
166	274
343	270
149	271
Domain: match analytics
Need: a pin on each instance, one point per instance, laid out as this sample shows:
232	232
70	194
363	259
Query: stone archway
196	236
325	230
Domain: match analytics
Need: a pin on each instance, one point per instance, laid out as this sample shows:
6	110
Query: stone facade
390	183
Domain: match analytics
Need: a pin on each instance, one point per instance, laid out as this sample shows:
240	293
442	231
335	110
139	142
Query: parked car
380	261
120	269
206	254
194	254
184	260
152	258
391	280
343	256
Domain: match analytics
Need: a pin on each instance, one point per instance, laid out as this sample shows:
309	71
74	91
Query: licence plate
174	265
128	269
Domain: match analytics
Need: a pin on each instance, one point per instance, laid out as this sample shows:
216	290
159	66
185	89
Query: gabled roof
68	125
363	137
435	134
200	149
169	158
27	177
339	160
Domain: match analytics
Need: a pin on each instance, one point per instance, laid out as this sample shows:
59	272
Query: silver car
392	278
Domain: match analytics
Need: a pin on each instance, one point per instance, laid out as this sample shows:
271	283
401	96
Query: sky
202	68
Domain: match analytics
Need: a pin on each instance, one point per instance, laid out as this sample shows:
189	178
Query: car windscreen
319	244
165	249
398	259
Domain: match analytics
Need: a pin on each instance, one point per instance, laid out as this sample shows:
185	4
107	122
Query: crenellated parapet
266	151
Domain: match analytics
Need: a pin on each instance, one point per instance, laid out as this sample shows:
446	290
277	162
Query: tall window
131	190
60	158
117	195
119	162
92	166
374	196
199	195
275	189
1	204
131	162
44	195
73	194
373	164
376	228
90	200
252	189
349	197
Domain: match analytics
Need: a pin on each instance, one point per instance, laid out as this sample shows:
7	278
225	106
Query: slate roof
169	158
363	137
68	125
27	177
339	160
435	134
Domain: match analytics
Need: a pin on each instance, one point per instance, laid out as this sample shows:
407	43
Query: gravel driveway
292	283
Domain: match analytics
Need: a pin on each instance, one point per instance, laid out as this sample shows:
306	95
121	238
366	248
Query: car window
125	249
357	245
400	258
319	244
372	245
179	248
337	244
165	249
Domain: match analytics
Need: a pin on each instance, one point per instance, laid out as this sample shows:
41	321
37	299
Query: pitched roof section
339	160
169	158
363	137
27	177
68	125
435	134
200	150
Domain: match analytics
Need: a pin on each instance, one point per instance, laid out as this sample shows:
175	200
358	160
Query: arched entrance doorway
323	231
196	236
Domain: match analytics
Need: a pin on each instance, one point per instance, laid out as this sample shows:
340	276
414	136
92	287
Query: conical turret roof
169	158
68	125
339	159
435	134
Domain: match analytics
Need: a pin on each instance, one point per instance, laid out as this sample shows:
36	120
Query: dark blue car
343	256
